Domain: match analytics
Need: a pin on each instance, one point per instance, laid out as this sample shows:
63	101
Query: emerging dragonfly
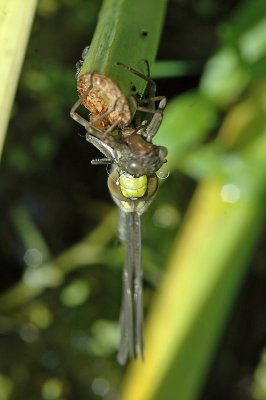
132	184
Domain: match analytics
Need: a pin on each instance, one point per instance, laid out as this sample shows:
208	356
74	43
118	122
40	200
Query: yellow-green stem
15	23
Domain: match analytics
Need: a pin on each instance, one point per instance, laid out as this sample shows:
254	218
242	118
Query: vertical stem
15	25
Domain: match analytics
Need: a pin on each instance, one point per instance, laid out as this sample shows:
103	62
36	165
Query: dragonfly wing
139	343
131	316
126	346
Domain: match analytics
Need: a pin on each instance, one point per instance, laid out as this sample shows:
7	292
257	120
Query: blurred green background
60	258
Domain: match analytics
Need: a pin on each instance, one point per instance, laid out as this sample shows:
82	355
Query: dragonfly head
138	164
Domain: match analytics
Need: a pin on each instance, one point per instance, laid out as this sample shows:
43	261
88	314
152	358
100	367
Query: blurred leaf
224	77
208	264
52	389
30	236
40	315
75	294
228	73
258	389
47	7
167	69
35	280
104	338
248	16
187	122
6	387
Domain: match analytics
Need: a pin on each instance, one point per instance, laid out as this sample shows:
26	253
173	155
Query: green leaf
208	263
187	121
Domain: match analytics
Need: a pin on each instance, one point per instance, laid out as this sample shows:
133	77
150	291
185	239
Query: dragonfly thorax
133	187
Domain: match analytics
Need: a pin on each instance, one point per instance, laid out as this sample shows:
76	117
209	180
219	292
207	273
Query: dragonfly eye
163	152
134	167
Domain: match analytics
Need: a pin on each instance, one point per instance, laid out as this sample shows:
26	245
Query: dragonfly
132	183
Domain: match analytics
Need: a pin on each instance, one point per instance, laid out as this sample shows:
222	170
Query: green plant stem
15	24
127	31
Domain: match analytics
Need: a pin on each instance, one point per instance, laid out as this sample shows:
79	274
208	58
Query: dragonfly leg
74	115
151	85
156	121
